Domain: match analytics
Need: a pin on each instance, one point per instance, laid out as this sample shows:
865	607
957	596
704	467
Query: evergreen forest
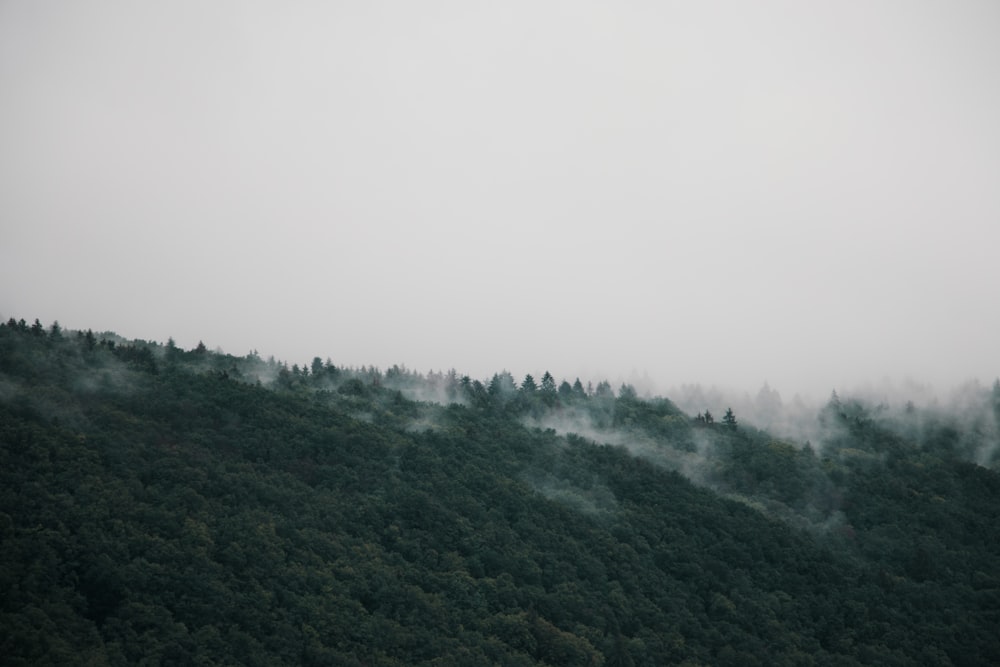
165	506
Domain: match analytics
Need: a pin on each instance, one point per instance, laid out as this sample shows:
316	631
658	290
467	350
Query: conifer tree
729	419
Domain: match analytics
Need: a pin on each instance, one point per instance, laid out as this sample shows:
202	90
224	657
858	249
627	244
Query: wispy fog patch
256	369
434	387
432	394
578	422
709	458
427	419
696	465
422	425
968	405
794	420
963	421
809	519
47	402
593	498
114	379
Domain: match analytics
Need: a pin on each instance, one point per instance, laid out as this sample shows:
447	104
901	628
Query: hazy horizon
714	193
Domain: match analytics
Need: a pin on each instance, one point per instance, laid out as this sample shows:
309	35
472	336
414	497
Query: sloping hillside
167	506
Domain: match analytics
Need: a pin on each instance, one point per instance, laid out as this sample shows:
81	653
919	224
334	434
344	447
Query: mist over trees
175	506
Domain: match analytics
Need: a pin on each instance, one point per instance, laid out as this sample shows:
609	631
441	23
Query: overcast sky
804	193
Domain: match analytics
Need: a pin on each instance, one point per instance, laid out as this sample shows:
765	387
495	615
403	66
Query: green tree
502	384
548	390
548	383
172	352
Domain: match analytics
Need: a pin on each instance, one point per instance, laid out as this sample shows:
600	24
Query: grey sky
806	193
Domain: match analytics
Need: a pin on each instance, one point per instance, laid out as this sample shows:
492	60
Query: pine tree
729	419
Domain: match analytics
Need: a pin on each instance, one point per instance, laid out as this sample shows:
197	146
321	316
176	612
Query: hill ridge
186	506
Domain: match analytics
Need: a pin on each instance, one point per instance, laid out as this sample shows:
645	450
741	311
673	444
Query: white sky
806	193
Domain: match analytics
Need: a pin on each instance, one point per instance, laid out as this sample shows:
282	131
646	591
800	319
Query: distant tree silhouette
502	384
729	419
604	390
548	390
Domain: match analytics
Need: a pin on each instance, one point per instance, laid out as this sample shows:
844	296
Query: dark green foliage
167	507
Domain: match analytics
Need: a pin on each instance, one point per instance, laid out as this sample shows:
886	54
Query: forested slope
166	506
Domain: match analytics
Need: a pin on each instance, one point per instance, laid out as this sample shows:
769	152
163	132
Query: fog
720	193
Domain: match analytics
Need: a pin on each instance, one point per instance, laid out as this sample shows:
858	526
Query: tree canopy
170	506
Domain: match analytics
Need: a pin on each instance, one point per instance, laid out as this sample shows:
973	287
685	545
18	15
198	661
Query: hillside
169	506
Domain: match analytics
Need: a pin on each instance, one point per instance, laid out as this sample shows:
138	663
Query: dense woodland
169	506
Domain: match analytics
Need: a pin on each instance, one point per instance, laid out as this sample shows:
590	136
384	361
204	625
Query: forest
164	506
